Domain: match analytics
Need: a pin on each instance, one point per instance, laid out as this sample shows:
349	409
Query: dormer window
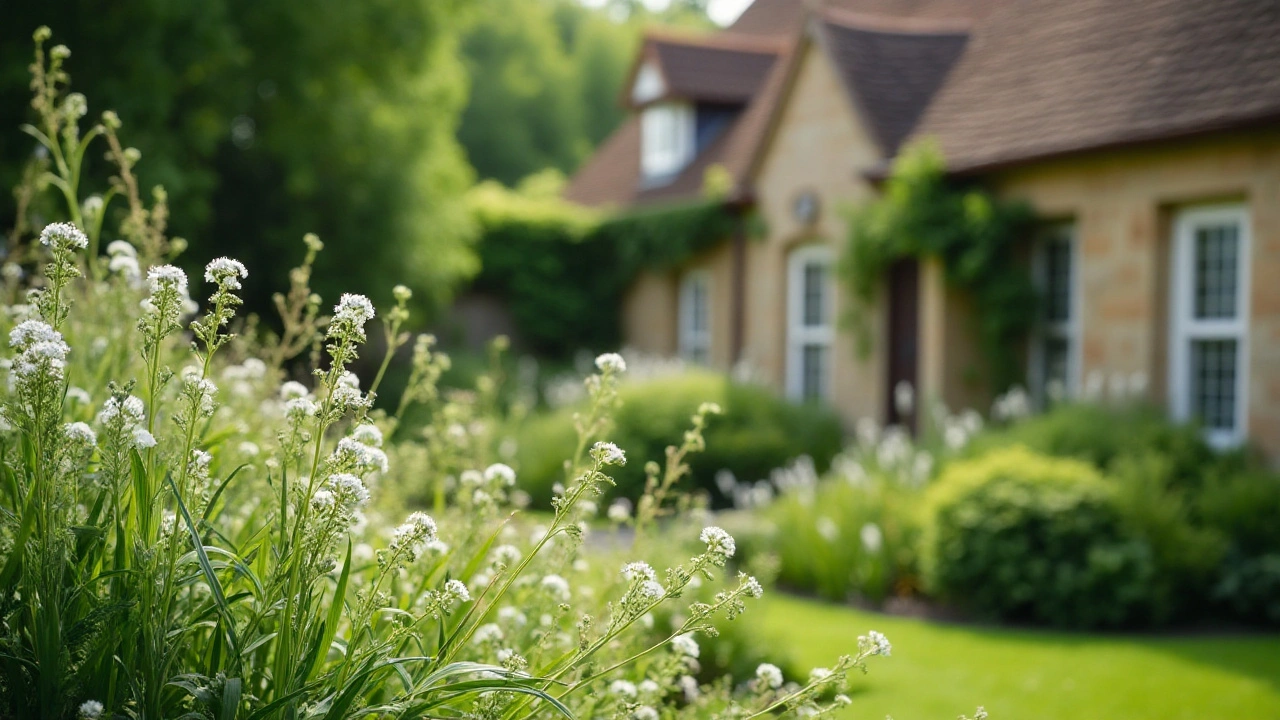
666	139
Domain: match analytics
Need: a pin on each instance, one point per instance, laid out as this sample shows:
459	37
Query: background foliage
562	270
266	120
756	433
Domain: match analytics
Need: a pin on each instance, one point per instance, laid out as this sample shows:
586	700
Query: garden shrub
1158	511
1019	536
755	433
1244	508
1100	435
842	539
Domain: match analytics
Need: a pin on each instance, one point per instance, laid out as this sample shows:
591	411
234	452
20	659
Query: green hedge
1019	536
562	269
756	433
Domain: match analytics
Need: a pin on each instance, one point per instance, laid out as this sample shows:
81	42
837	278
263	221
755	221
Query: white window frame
1069	330
693	342
798	334
1185	328
666	139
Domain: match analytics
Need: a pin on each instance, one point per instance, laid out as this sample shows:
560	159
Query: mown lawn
938	671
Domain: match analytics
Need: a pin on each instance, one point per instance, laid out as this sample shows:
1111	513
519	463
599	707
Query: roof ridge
721	40
904	25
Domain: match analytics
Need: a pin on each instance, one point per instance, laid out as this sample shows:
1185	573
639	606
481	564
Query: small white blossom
872	538
488	633
638	570
349	489
367	435
300	408
323	500
719	543
143	439
457	590
63	236
686	645
879	644
611	363
557	586
644	712
619	511
78	395
80	432
623	688
606	453
500	472
769	675
163	277
226	272
121	248
293	389
507	555
91	710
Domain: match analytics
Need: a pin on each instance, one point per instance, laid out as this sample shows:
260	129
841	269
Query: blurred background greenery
365	122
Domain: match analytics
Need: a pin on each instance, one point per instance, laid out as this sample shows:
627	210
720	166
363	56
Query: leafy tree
546	76
266	119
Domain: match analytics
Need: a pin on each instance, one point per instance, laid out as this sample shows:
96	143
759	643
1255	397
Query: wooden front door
903	340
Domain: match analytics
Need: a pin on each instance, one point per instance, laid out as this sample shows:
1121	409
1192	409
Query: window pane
1216	268
1057	288
1213	383
813	368
815	280
699	302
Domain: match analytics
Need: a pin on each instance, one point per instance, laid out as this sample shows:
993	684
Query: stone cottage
1145	134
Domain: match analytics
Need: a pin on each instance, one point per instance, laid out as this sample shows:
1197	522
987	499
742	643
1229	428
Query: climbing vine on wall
922	214
562	269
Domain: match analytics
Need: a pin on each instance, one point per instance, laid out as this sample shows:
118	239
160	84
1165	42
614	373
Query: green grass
938	671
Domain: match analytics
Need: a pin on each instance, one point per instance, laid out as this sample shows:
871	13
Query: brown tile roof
612	175
783	17
710	71
1047	77
891	72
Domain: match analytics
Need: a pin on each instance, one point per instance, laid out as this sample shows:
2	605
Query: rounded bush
1018	536
756	433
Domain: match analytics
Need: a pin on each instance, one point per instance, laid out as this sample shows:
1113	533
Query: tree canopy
266	119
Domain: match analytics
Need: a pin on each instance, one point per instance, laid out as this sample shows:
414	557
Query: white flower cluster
606	453
359	456
347	396
347	491
168	300
720	544
407	539
350	315
63	236
769	675
557	586
877	643
611	363
124	262
126	416
685	645
80	433
201	392
42	349
226	273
